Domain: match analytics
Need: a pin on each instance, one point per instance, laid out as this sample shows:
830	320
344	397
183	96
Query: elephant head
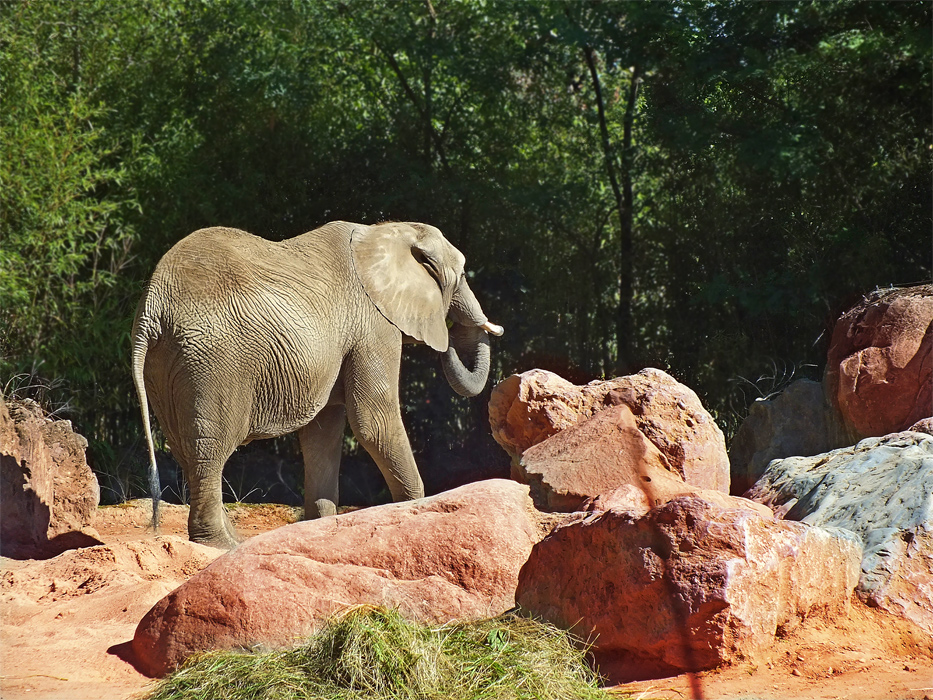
416	279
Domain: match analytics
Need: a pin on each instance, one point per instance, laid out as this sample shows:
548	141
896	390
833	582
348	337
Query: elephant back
211	261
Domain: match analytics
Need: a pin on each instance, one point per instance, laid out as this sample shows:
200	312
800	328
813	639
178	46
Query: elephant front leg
321	446
376	419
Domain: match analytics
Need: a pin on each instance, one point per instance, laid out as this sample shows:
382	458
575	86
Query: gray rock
798	422
880	489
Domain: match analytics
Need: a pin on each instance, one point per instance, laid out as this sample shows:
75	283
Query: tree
66	243
632	183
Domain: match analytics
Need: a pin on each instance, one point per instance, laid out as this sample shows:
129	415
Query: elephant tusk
492	328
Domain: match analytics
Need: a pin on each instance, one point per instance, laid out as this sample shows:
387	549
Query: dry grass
374	654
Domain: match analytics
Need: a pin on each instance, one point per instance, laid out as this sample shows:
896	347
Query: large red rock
879	370
597	459
48	491
688	586
455	556
527	408
639	500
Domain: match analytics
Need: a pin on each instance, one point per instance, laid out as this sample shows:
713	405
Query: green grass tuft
374	654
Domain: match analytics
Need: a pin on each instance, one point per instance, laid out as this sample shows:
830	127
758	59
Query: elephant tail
141	337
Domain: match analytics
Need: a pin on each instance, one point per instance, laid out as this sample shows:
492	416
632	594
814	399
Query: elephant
238	338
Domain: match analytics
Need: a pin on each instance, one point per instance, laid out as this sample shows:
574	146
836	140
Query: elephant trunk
469	340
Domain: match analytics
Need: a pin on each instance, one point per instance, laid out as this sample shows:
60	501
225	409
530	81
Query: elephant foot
321	508
220	542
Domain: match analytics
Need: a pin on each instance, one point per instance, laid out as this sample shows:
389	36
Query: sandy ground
66	624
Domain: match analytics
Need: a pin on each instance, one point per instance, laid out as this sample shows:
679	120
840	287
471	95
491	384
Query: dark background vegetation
696	186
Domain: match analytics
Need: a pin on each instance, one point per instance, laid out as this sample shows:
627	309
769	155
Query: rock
527	408
881	489
688	586
663	490
454	556
924	425
797	422
879	369
75	490
25	486
606	458
588	459
49	493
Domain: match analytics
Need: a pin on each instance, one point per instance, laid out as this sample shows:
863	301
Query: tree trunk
620	180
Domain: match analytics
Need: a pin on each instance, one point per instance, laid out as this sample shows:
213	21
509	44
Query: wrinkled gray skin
238	338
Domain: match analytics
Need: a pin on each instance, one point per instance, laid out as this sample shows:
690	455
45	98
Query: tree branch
422	112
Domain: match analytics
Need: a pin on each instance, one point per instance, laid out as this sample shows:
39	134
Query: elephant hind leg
208	522
321	446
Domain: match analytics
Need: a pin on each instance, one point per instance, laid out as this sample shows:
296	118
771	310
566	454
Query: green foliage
66	246
373	653
696	186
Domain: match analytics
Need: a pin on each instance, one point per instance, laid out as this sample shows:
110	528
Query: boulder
687	586
25	486
75	490
49	493
881	489
527	408
879	370
454	556
797	422
605	460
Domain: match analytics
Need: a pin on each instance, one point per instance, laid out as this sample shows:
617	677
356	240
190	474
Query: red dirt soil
66	624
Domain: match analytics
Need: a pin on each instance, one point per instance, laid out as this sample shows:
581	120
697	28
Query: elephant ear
392	262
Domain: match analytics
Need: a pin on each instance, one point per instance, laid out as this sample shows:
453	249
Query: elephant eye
430	265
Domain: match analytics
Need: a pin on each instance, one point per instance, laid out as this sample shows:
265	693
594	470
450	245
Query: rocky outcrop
455	556
881	489
879	371
687	586
602	460
797	422
49	493
528	408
